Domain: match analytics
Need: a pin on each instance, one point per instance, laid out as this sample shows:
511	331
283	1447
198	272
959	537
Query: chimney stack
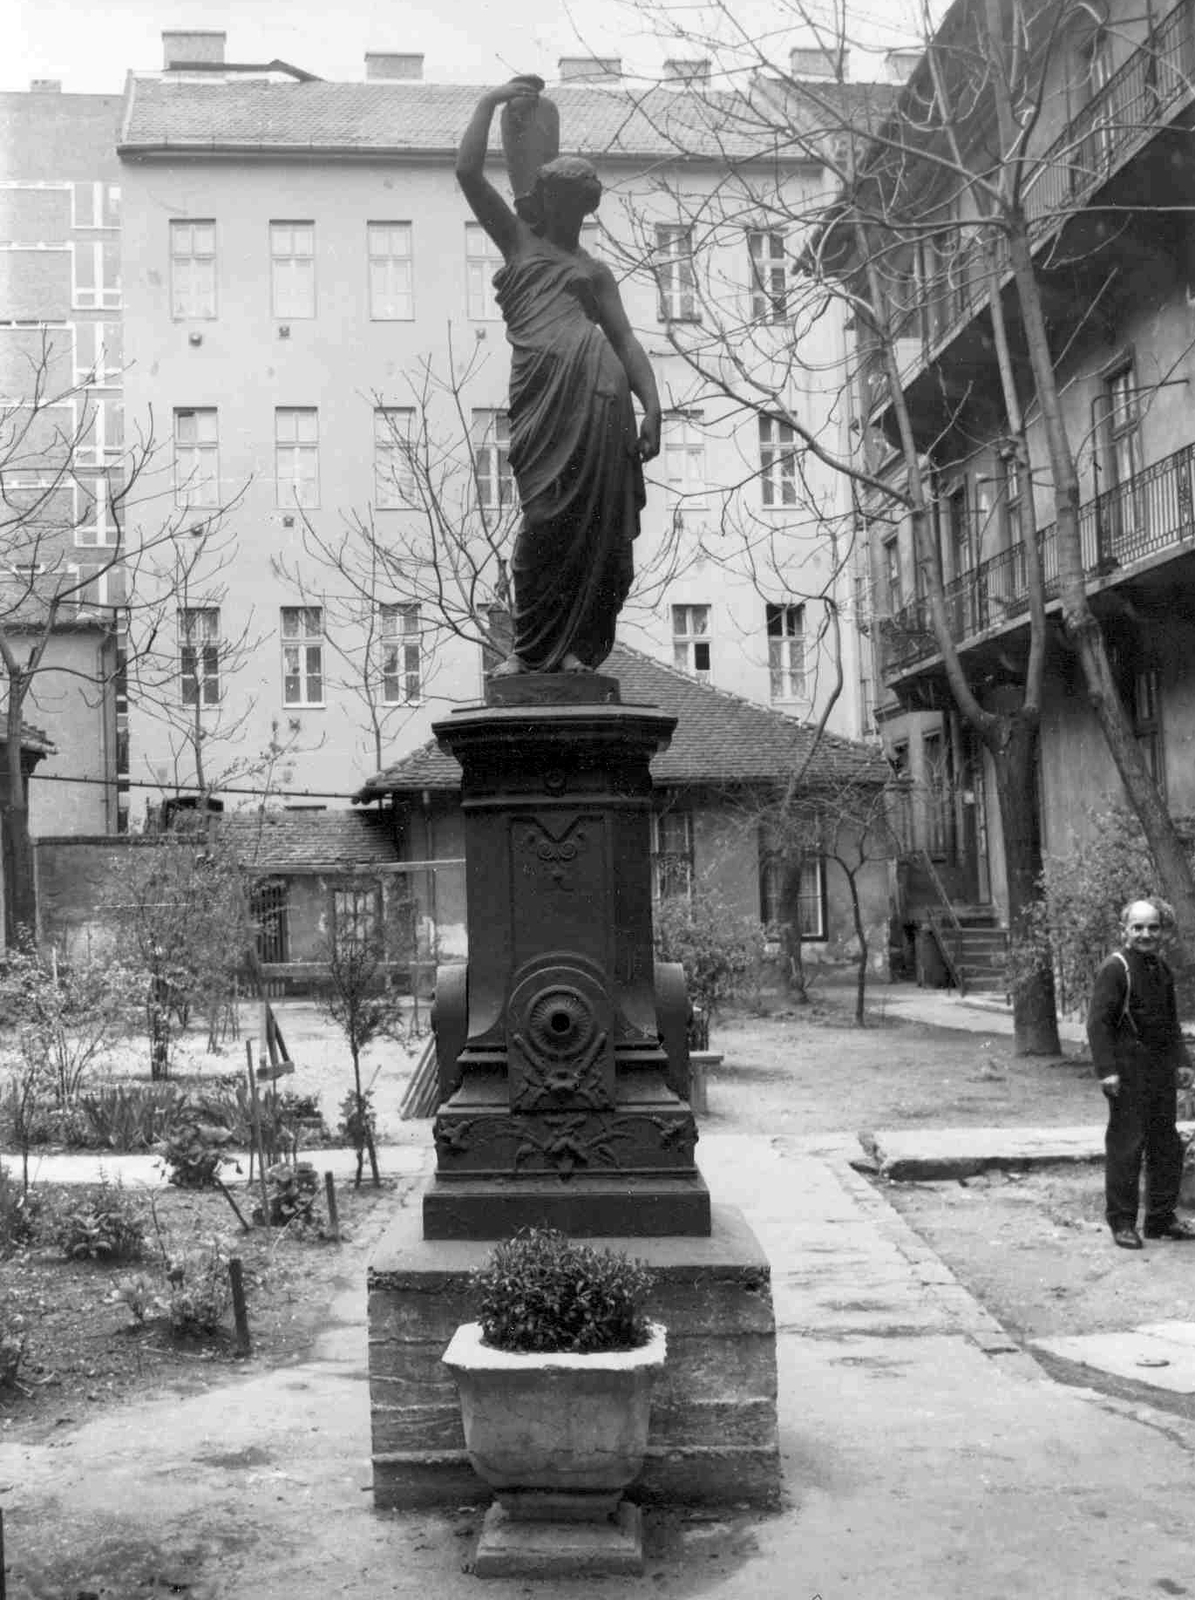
818	65
590	69
181	47
687	72
384	66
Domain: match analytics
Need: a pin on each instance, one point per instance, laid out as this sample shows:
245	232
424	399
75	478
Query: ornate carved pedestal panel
561	1043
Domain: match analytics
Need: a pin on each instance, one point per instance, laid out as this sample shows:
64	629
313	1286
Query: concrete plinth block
510	1547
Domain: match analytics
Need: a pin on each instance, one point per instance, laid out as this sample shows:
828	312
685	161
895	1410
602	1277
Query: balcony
1150	514
1149	91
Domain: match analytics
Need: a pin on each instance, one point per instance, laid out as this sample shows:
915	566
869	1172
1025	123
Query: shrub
194	1149
12	1346
140	1293
292	1193
20	1209
720	952
130	1116
102	1223
199	1293
541	1291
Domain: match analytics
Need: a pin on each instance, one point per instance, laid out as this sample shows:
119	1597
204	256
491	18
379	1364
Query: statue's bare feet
571	663
510	668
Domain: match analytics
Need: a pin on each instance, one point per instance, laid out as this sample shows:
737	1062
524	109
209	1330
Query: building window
691	640
796	898
98	431
672	854
356	916
199	655
1124	426
95	205
296	456
811	899
892	575
292	269
269	909
98	497
491	459
777	463
1147	725
786	651
196	458
96	283
674	273
684	457
958	531
769	274
193	270
391	293
939	798
393	477
99	358
482	260
302	656
402	678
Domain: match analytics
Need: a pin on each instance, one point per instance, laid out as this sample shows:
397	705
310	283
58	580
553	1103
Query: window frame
689	640
302	643
767	303
691	443
672	865
104	293
393	474
783	645
199	690
495	485
676	278
481	253
297	451
777	464
194	257
203	453
401	641
280	289
396	261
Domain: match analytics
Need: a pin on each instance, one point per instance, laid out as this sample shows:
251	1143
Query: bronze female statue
574	450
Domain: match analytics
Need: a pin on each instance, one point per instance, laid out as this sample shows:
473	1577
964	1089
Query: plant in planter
555	1382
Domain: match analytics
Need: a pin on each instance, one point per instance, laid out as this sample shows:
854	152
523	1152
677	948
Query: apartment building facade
61	441
309	316
1108	209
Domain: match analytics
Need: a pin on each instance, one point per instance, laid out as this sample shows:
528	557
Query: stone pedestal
713	1436
561	1044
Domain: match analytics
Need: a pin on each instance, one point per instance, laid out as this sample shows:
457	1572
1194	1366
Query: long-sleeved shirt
1144	1034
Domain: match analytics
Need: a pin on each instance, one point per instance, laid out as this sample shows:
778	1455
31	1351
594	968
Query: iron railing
1150	512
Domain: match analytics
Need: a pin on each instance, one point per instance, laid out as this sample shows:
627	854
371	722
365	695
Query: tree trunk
1014	754
20	893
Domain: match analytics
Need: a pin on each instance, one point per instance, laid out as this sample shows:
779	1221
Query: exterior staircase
975	949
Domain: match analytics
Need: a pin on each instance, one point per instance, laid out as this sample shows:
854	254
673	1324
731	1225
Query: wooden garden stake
227	1193
3	1584
239	1310
252	1142
261	1159
333	1217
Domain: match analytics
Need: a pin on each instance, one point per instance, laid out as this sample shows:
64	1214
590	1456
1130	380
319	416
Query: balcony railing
1118	119
1152	511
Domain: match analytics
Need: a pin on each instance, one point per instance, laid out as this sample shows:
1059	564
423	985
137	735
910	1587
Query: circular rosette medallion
561	1051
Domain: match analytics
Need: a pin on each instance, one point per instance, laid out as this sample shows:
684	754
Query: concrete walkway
925	1455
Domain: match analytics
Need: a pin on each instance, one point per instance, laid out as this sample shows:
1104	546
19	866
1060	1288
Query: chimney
818	64
45	86
383	66
590	69
182	47
901	64
687	72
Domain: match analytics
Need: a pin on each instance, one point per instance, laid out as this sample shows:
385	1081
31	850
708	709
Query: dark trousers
1141	1120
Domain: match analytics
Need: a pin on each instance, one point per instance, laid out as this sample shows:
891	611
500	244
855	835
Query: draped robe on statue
572	451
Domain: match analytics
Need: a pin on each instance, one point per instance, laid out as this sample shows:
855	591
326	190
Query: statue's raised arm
574	449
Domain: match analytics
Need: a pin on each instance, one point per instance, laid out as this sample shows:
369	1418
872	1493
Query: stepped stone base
713	1434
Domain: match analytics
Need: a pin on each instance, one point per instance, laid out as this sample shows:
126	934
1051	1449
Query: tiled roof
720	739
36	739
280	841
167	114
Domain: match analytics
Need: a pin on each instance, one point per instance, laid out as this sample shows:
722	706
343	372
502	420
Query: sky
90	45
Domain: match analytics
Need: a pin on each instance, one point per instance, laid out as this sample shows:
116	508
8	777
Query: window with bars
491	459
796	897
193	270
292	270
357	915
302	655
296	456
769	274
393	475
672	854
269	908
674	273
196	457
691	640
199	655
391	282
402	653
777	463
96	275
684	457
482	260
786	651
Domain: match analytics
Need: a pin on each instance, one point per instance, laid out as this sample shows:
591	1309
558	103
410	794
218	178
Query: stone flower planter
558	1437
